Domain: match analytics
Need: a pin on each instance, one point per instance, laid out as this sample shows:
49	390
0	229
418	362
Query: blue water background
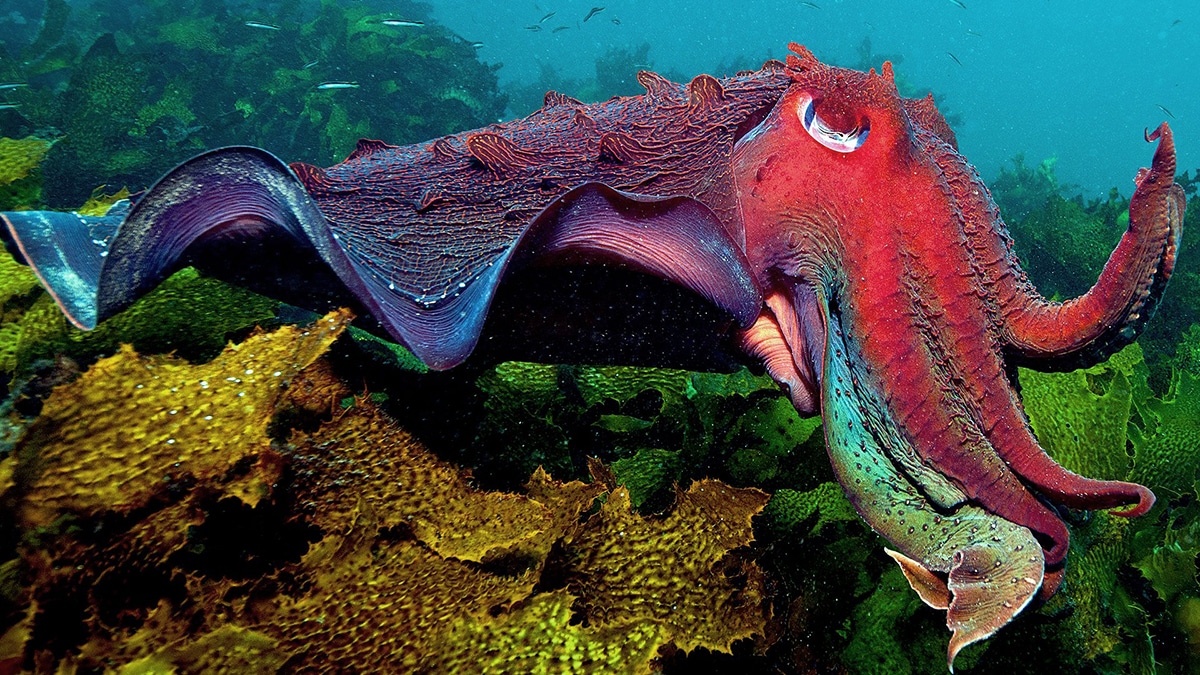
1074	80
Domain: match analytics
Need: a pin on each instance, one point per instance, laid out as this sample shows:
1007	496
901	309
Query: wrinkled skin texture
859	257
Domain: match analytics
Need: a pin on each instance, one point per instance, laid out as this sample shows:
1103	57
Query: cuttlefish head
878	246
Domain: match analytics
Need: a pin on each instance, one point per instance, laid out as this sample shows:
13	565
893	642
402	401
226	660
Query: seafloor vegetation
214	480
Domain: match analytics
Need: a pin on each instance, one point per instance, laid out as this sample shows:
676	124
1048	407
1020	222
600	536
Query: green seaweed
139	96
188	315
788	510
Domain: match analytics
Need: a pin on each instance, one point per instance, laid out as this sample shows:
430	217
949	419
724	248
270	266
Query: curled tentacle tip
1163	129
1144	503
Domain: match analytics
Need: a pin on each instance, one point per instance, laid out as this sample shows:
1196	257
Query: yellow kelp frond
132	426
408	487
679	571
380	606
228	649
15	279
540	637
100	202
19	156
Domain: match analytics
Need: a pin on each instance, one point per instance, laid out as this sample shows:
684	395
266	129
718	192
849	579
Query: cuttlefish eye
838	141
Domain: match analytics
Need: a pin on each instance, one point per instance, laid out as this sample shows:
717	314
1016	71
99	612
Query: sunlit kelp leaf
881	632
541	636
15	279
788	509
522	429
380	606
132	425
1082	430
1167	458
100	202
387	352
1171	569
20	182
200	33
679	571
777	446
649	475
597	384
19	157
1101	621
1187	355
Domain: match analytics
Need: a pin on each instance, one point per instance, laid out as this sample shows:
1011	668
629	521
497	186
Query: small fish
402	23
594	11
546	18
976	34
337	85
560	29
951	55
811	5
1168	112
958	3
310	64
534	28
259	24
476	45
1176	22
616	22
9	106
12	85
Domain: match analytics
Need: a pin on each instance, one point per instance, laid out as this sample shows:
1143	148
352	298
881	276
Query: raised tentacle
1087	329
1000	416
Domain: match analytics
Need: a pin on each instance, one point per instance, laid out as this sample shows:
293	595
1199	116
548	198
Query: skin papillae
859	257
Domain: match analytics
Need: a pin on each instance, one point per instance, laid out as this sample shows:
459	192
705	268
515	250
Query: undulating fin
65	251
219	192
95	267
704	92
367	147
655	84
554	99
924	112
496	153
675	238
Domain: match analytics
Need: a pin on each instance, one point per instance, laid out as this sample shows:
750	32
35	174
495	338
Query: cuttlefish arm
1088	329
982	569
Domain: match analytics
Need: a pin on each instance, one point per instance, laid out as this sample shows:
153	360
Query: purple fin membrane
95	267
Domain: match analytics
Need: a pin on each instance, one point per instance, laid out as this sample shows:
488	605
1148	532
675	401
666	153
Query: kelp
117	437
380	555
1106	421
132	98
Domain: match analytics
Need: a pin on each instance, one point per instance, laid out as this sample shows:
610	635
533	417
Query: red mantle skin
861	258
